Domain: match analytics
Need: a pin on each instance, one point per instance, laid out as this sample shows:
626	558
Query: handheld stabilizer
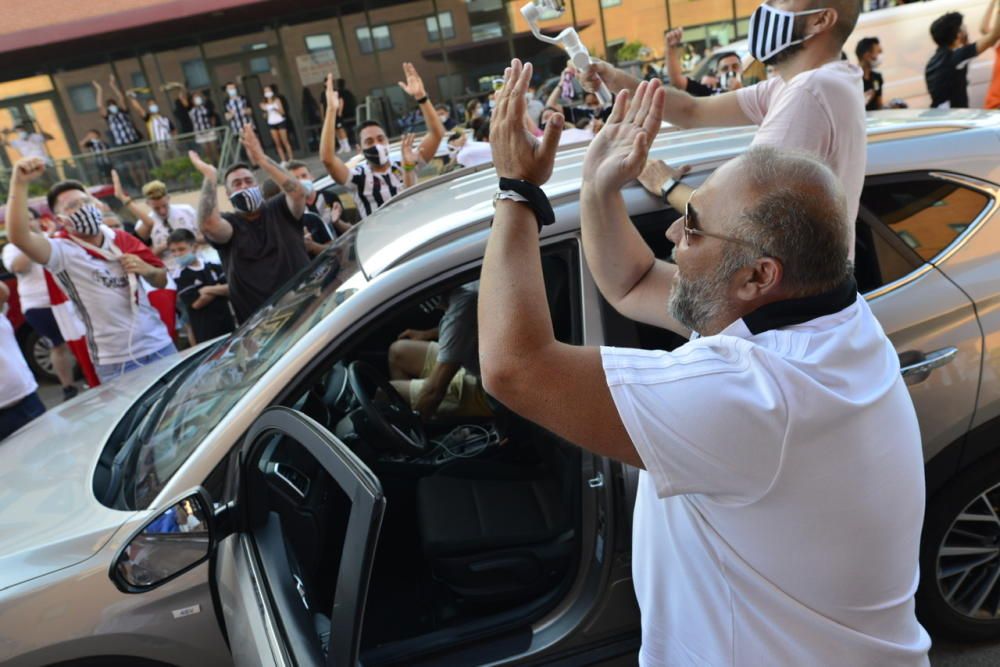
568	39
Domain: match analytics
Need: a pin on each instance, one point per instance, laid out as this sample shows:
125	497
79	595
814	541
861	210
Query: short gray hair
798	216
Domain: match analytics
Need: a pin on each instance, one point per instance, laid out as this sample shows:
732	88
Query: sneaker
70	392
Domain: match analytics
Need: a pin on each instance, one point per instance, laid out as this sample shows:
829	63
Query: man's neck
804	61
382	169
94	240
866	68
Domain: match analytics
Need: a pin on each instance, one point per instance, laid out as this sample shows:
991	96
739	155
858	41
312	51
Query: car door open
292	576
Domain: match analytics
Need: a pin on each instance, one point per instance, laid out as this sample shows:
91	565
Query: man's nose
674	231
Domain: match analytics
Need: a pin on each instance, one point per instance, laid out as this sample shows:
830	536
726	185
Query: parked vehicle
271	488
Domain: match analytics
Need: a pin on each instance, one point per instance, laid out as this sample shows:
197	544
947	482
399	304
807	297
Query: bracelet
530	194
422	100
409	167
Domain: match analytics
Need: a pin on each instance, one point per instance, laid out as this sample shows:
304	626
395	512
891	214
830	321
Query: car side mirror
175	541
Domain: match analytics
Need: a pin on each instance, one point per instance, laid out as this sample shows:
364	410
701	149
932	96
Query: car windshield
206	393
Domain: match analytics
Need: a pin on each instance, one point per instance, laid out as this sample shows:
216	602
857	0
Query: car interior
481	532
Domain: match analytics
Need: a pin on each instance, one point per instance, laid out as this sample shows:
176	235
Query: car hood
49	516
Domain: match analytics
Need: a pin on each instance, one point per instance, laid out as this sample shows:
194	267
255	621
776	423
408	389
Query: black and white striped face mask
248	200
86	220
771	31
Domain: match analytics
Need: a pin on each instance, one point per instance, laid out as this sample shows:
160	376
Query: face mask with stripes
248	200
771	31
86	220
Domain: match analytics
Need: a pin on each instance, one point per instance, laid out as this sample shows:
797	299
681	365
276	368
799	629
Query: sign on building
313	67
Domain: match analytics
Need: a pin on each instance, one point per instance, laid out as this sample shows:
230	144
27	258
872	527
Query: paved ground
943	654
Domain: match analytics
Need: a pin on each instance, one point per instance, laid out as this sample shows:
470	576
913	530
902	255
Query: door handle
918	371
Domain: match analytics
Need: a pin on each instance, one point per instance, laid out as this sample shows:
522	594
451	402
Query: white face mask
771	31
877	62
199	101
231	92
268	94
153	108
112	108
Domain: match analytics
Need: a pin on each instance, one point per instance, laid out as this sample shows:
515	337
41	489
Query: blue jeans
108	372
15	416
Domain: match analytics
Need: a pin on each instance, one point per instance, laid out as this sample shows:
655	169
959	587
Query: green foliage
35	189
629	51
178	173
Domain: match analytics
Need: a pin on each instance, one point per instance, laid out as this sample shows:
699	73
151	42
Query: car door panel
293	579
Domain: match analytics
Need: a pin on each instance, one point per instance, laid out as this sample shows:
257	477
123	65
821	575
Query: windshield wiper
158	402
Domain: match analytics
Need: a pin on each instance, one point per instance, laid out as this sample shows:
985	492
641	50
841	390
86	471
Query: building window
489	30
321	42
139	80
195	73
377	38
259	46
610	3
440	27
260	65
83	97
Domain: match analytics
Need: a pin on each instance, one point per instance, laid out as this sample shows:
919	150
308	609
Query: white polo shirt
778	519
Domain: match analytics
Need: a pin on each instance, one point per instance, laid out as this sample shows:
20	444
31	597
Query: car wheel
37	351
959	594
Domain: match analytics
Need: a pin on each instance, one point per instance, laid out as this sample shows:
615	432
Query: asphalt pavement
943	654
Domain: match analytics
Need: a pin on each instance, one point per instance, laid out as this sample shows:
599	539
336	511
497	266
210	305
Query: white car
271	489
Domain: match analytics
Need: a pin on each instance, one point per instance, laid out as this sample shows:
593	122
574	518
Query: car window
235	364
927	213
877	260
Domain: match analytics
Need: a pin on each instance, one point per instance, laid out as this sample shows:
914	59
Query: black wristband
536	197
422	100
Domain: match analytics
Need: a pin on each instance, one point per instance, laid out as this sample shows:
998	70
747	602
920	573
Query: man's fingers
643	113
640	94
637	156
620	107
550	137
654	115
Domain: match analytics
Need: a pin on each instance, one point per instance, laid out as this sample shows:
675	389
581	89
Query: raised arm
327	139
99	98
115	89
34	244
984	24
992	36
411	156
554	100
295	194
414	87
213	226
135	105
673	41
144	228
616	79
629	276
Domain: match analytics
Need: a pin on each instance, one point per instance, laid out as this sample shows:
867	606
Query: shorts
44	322
283	125
465	396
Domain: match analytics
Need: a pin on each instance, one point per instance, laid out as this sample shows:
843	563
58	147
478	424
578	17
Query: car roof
442	207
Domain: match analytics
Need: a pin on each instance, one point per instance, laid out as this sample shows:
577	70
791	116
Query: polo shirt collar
790	312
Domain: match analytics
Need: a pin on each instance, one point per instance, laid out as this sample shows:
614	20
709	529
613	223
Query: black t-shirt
874	83
263	253
698	89
214	319
947	76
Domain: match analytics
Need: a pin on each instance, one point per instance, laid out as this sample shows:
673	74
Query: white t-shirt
179	216
821	111
474	153
100	291
31	288
31	146
18	381
778	520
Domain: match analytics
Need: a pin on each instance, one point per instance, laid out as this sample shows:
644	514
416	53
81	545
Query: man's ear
825	21
761	278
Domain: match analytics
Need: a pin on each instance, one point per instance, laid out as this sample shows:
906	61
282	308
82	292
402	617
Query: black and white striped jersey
372	191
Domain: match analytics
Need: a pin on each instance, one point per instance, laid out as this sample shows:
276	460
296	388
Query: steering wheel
386	414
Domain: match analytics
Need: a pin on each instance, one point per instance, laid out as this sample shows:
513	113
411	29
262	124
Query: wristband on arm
530	194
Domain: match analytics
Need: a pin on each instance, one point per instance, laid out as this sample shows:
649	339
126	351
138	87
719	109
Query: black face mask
248	200
377	155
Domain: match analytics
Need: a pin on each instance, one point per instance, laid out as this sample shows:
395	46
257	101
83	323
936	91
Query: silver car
268	498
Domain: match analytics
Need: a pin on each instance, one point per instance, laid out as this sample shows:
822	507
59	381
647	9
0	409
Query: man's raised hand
674	38
204	168
516	152
618	153
252	145
410	154
29	169
332	97
414	85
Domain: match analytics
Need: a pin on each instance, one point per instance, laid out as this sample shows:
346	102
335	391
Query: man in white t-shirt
36	306
19	402
101	270
815	103
155	224
777	520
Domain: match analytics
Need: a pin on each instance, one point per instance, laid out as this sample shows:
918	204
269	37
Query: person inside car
437	370
758	536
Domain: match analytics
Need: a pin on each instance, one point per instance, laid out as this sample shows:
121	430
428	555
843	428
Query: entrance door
254	70
40	114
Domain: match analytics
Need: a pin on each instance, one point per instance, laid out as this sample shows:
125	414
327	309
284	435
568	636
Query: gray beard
697	304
